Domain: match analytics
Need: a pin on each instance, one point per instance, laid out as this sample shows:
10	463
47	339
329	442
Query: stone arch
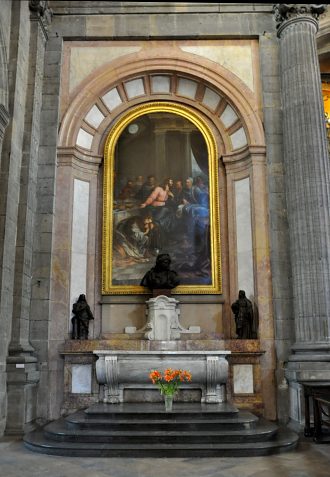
214	91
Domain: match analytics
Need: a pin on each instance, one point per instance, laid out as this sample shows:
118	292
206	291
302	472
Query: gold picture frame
115	264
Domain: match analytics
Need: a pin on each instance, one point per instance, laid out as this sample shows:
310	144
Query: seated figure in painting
158	207
161	276
80	320
146	189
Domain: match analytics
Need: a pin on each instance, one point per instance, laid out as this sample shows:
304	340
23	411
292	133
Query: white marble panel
228	117
81	379
134	88
243	378
84	139
112	99
236	58
86	59
79	240
296	412
238	139
245	274
187	88
211	98
160	84
94	117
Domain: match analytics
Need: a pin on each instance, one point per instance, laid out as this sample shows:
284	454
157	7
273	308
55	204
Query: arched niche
229	110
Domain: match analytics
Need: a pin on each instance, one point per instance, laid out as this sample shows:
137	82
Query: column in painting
159	160
307	190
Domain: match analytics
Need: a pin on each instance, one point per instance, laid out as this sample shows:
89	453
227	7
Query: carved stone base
162	320
120	370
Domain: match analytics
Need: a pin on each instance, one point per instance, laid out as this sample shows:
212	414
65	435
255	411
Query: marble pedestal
120	370
162	320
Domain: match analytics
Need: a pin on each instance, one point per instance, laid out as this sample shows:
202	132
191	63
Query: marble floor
308	460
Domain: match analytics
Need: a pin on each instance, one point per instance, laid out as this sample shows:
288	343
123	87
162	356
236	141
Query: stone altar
118	370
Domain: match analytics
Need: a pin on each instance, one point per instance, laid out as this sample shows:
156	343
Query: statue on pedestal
162	310
243	311
161	277
80	320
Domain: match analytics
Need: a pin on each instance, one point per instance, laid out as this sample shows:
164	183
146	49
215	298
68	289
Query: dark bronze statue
243	311
161	276
80	321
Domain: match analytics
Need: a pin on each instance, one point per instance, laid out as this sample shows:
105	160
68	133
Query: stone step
58	430
241	420
184	410
283	440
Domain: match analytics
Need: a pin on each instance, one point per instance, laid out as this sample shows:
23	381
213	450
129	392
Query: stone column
22	364
307	171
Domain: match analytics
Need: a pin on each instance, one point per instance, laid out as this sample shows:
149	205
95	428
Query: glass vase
168	402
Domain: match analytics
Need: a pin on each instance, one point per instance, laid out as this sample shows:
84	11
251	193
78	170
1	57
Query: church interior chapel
165	229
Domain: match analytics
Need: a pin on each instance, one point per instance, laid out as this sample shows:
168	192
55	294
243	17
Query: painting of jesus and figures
160	202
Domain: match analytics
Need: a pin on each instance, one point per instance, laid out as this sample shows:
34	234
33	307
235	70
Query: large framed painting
161	196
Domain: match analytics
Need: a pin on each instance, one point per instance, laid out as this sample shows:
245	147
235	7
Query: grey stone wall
11	160
28	169
41	319
5	20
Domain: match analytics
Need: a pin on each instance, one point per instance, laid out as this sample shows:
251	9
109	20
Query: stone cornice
75	158
292	12
41	12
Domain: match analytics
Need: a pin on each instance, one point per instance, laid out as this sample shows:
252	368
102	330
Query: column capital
288	13
41	12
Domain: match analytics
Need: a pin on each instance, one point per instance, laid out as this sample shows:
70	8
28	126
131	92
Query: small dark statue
80	321
161	277
243	311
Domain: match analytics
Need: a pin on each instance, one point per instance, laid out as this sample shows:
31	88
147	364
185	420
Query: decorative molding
73	157
290	11
41	12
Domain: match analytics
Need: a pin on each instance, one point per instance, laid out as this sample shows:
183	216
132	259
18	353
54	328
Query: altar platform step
152	432
243	420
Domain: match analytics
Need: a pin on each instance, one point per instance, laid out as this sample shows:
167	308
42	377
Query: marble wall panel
112	99
236	58
79	239
84	139
187	88
211	99
94	117
245	273
81	379
134	88
160	84
238	139
243	378
228	117
85	59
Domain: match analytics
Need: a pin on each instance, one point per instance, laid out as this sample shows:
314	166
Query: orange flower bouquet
169	382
